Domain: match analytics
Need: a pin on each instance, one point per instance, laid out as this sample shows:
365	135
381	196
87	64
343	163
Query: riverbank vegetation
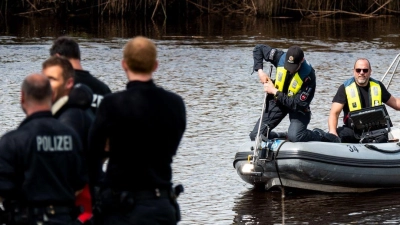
166	8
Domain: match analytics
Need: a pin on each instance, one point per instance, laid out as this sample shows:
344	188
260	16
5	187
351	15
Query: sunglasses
364	70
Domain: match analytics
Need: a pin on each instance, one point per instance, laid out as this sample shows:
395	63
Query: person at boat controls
291	93
361	91
42	166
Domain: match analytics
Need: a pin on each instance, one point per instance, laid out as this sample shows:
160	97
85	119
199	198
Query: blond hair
140	55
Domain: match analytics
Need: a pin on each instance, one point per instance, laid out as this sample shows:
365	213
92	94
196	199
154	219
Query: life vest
297	80
295	83
353	95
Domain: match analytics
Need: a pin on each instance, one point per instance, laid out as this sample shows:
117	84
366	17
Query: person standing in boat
42	166
368	92
137	187
291	92
69	48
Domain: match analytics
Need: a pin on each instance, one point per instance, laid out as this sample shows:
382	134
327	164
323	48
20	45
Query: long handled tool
259	124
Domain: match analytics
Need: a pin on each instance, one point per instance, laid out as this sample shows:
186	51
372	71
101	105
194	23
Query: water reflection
383	31
258	207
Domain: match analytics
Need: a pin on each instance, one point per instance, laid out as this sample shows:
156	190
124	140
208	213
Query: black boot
326	137
319	132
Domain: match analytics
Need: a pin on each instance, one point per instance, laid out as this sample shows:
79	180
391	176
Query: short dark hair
67	47
66	66
37	87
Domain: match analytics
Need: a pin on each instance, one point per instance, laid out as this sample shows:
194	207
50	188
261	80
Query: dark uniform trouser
346	135
297	131
157	211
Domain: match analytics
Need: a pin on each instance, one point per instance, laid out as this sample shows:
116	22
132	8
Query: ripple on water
223	101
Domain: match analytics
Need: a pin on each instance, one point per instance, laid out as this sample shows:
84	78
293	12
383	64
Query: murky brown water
208	61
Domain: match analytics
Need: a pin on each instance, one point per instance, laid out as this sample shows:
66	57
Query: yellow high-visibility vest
295	83
353	97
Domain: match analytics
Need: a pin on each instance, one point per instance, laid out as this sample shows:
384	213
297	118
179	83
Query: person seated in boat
358	92
291	93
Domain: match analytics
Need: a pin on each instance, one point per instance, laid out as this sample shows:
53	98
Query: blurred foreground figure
41	162
137	187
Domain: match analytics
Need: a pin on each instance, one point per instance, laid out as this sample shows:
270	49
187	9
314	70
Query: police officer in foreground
71	106
41	162
137	188
72	111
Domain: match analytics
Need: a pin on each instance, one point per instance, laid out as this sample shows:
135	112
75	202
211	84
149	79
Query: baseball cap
294	55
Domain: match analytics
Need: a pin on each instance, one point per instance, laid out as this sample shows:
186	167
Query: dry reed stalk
381	6
313	8
30	12
318	8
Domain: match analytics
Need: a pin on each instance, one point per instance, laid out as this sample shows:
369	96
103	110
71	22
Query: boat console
370	123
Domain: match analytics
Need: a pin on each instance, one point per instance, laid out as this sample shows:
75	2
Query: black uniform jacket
144	125
41	162
76	112
300	101
98	87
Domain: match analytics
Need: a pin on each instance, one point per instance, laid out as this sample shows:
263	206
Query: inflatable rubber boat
327	166
320	166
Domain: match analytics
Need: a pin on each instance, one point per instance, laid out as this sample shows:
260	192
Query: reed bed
151	8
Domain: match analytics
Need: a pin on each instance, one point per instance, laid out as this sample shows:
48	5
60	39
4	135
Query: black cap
294	56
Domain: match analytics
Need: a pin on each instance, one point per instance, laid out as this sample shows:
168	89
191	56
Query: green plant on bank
151	8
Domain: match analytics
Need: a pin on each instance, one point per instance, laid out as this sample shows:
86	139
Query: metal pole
259	127
397	58
259	124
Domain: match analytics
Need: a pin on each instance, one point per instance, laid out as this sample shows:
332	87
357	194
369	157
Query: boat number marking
352	148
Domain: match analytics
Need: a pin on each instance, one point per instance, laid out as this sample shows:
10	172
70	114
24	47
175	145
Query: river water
208	61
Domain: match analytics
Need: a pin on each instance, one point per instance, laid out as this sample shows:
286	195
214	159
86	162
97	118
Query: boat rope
373	147
276	163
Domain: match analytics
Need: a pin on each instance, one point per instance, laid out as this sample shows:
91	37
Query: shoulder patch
304	96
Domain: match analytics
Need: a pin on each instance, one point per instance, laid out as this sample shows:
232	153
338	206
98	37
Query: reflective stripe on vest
295	83
353	98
